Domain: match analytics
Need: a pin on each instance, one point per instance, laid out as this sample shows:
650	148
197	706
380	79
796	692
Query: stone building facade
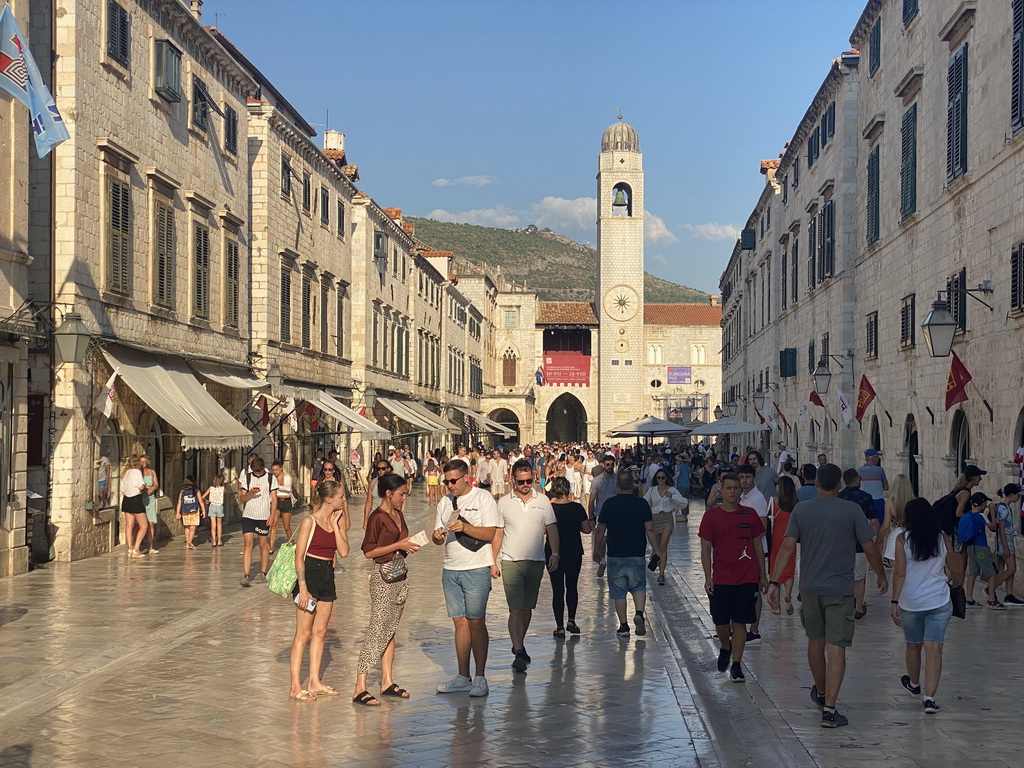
929	121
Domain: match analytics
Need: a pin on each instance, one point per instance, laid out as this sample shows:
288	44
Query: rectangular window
787	363
784	274
831	115
286	176
307	309
119	254
827	240
811	360
956	287
341	218
796	173
909	11
230	130
510	318
307	192
908	162
339	307
907	322
824	345
1017	278
956	115
325	298
1017	68
873	207
201	271
813	146
875	47
163	284
376	337
871	334
325	206
232	264
286	304
795	268
118	26
200	105
167	72
812	252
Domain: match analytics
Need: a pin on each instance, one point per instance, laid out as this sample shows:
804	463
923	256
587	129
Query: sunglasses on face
527	481
383	469
453	480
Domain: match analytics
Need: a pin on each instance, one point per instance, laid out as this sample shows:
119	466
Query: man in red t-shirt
734	575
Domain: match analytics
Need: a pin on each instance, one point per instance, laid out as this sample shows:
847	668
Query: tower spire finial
618	111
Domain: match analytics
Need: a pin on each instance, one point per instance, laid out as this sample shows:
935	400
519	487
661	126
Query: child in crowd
972	532
215	496
1006	539
190	509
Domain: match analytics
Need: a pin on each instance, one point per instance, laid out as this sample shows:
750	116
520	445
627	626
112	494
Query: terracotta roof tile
682	314
566	313
394	213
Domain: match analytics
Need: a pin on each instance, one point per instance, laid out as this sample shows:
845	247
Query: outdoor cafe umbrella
648	426
727	425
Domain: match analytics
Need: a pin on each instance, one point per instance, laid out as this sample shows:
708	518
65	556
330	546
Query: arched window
655	354
108	466
698	354
508	368
622	200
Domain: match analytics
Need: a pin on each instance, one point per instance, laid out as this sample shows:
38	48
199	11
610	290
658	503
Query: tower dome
620	136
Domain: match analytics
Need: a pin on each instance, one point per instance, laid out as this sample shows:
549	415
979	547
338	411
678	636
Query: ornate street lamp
72	339
822	377
718	412
733	407
939	327
759	399
275	377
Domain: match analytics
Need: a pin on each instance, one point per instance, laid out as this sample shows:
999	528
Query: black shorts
284	506
319	580
134	505
734	603
259	527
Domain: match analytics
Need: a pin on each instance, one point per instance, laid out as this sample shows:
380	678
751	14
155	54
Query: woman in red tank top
321	536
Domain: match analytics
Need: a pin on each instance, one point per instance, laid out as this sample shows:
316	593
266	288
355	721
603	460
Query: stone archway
508	419
566	420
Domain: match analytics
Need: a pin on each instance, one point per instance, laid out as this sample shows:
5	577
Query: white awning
487	424
400	410
166	385
229	376
346	415
442	423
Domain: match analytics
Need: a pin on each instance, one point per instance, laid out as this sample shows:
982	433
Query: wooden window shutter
908	162
119	238
1017	68
784	294
231	273
164	256
201	269
812	252
956	115
873	207
796	270
1015	276
286	305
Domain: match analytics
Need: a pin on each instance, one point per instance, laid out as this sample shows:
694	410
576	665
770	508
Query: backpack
945	513
189	502
971	525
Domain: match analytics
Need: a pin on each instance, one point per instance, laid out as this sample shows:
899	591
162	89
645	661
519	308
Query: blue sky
492	112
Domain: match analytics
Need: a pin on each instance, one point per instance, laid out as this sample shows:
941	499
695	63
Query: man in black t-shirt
625	526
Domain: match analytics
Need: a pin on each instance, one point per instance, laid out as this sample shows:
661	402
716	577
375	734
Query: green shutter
908	162
873	207
1017	68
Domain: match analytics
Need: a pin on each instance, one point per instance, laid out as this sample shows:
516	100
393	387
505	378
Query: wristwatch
772	583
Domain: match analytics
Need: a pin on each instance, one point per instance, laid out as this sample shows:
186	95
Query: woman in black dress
571	519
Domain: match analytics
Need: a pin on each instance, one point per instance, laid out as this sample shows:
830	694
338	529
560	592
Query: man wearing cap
874	481
784	456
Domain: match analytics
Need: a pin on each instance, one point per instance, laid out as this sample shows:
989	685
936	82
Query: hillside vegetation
558	268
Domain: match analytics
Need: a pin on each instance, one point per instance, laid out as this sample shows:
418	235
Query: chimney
714	299
197	9
334	140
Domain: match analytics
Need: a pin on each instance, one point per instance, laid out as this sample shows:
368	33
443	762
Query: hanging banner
571	370
680	374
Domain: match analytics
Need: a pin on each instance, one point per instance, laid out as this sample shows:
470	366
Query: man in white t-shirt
751	497
257	493
466	522
784	456
519	547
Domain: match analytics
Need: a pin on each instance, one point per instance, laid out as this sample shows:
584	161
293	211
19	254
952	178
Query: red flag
266	411
759	415
816	400
781	415
864	397
311	410
956	385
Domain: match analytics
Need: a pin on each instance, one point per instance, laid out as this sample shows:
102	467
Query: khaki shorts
860	567
521	579
828	616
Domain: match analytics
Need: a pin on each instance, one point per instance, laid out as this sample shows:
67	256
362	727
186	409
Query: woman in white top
664	499
572	474
133	504
920	592
900	494
285	501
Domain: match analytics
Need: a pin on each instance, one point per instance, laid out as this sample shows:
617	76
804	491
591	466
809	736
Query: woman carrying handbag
387	544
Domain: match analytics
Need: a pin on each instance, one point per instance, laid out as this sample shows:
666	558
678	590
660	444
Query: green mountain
558	268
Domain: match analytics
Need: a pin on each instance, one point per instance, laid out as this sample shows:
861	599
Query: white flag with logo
293	416
769	419
844	406
804	413
105	402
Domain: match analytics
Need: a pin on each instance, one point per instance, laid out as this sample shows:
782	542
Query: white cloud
498	216
467	181
655	230
567	216
712	230
660	259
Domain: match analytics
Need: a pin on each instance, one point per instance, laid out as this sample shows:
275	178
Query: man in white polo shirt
466	522
519	547
257	493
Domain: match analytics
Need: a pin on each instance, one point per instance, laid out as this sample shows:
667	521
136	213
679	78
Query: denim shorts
466	592
216	510
919	626
626	575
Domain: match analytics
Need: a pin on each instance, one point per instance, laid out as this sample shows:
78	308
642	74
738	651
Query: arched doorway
508	419
567	420
912	447
876	435
960	440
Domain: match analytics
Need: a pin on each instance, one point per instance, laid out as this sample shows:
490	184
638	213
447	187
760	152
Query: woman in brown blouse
386	535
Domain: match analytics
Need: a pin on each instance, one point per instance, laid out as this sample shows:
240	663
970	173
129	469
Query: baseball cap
979	498
973	471
872	452
782	443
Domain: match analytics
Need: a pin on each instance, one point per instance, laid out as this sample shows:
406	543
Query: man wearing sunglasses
466	522
519	547
373	495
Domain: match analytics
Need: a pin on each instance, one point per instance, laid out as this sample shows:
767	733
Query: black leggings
565	590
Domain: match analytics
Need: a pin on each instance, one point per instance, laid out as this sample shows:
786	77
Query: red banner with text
572	370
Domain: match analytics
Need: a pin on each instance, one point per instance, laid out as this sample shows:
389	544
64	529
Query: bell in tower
621	204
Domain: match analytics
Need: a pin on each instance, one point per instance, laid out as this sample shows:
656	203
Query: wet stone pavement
166	661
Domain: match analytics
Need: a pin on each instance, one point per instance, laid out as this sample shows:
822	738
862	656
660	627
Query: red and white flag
781	415
816	399
105	402
956	384
769	419
265	418
805	413
844	406
293	416
865	395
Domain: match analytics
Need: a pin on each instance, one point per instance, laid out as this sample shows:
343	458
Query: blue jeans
466	592
919	626
626	575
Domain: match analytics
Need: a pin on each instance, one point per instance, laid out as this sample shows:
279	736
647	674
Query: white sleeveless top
925	587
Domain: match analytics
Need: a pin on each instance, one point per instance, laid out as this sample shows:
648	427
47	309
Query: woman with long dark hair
571	520
920	596
782	505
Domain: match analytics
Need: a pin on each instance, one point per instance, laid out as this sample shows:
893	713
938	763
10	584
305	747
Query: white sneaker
479	687
457	684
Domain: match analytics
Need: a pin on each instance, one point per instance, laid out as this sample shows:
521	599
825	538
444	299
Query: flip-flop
303	696
394	690
327	691
365	699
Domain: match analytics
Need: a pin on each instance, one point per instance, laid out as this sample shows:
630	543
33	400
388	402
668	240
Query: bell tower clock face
621	303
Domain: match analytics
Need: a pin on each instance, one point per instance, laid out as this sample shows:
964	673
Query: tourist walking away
900	495
432	472
603	488
972	531
809	489
381	467
920	598
782	507
387	544
149	496
133	504
951	507
214	497
852	492
285	501
519	553
682	481
190	509
828	530
572	521
321	538
665	500
624	528
257	493
752	498
466	523
734	572
874	481
1006	539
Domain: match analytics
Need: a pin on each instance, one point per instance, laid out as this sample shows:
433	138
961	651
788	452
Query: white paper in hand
420	539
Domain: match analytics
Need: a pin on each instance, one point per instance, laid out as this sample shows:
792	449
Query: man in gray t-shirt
828	529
